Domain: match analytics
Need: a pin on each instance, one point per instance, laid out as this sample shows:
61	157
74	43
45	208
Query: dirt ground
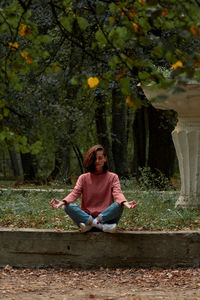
101	284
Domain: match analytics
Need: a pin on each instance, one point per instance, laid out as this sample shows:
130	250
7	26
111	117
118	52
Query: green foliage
156	180
82	22
125	86
137	32
138	37
48	50
101	39
22	50
67	22
113	8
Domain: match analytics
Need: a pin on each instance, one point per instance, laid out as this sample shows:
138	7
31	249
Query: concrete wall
70	249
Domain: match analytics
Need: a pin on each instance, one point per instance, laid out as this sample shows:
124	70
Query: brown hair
90	157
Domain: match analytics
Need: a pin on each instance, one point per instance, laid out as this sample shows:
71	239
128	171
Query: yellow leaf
142	2
92	82
136	28
29	60
178	64
13	46
195	30
24	54
24	30
132	14
129	101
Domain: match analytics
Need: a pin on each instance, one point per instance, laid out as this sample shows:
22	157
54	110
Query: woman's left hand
56	203
131	204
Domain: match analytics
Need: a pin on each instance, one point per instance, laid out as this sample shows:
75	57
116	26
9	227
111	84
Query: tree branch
109	42
15	37
66	34
15	112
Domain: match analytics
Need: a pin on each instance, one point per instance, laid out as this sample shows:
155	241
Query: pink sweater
98	192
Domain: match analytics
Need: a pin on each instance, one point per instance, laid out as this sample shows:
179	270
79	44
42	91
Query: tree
153	145
94	45
30	100
119	133
22	50
141	42
103	133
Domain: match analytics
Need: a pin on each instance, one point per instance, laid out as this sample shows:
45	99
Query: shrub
156	180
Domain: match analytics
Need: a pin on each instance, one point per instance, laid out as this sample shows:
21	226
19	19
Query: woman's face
100	160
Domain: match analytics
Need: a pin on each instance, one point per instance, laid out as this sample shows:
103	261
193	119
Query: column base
188	201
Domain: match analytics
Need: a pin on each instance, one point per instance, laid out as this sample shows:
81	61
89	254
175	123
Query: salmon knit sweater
97	192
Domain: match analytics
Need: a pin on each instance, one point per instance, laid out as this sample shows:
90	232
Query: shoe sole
82	228
111	231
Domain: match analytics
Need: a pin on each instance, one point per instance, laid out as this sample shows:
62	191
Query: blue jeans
110	215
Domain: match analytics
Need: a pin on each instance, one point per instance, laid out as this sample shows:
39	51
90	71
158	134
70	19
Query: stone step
36	248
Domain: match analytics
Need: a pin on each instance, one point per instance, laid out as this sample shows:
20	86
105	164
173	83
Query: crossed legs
110	215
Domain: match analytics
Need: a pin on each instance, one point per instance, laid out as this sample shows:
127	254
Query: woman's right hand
131	204
56	203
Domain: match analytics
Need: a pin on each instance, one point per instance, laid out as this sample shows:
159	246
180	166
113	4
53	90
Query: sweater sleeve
116	190
76	193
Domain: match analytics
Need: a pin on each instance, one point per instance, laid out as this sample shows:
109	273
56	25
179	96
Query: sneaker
84	228
97	224
112	228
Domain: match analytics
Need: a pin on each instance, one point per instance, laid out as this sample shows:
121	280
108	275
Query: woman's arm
73	196
119	196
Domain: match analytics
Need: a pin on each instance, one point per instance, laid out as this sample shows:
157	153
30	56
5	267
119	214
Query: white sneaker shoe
84	228
112	228
97	224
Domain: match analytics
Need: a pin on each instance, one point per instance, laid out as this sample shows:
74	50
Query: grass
155	211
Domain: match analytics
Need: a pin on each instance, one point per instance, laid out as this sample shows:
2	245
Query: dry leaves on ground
97	284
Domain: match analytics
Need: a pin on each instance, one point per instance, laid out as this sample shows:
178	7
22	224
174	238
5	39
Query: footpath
100	284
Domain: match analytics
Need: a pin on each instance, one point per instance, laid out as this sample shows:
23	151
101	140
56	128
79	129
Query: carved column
186	137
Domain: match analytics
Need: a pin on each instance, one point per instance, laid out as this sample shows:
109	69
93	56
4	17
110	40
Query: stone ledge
70	249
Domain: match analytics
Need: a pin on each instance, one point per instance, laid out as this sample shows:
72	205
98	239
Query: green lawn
155	211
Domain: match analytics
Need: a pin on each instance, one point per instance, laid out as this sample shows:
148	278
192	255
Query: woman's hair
90	157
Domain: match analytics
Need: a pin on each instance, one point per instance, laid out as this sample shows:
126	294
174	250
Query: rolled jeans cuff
112	214
89	220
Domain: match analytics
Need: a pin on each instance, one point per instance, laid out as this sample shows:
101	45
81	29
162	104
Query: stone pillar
186	138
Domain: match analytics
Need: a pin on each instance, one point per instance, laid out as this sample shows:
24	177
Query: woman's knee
69	207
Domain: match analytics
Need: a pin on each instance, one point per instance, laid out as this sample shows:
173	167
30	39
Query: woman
98	188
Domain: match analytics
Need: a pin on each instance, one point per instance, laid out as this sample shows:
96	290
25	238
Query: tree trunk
161	148
153	145
62	164
79	157
29	166
139	140
65	165
16	162
119	133
102	130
